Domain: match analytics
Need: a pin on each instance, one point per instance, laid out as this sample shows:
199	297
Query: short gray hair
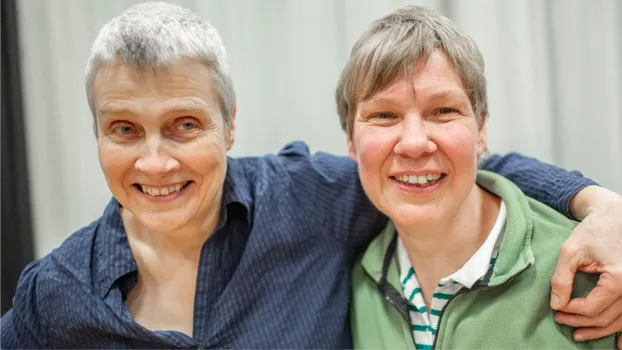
156	35
393	43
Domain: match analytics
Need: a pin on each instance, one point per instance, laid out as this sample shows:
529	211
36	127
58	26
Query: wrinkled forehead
185	85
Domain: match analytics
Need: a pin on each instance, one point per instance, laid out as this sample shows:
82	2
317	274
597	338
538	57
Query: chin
161	222
410	216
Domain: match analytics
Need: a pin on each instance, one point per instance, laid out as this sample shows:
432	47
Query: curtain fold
17	241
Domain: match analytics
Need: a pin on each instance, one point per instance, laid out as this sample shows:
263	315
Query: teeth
162	191
421	180
433	176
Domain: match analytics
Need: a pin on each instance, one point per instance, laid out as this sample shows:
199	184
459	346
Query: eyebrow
440	94
112	108
452	93
183	107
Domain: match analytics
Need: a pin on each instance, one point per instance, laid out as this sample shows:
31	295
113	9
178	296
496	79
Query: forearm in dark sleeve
544	182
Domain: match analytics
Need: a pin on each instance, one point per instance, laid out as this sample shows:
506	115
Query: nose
156	161
415	139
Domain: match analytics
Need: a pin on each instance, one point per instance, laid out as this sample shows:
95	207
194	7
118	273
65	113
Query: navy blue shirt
275	274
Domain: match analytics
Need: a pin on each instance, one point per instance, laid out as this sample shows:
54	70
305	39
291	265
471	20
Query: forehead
185	85
431	77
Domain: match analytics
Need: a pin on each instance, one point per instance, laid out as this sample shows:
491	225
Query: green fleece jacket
511	310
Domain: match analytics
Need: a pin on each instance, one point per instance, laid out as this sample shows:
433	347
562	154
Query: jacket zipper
465	291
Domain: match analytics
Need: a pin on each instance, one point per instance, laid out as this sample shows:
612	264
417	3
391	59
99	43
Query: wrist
593	199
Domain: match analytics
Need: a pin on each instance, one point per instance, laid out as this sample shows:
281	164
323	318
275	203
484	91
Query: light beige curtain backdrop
554	70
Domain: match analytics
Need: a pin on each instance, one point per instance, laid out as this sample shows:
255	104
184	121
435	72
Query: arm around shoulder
544	182
328	189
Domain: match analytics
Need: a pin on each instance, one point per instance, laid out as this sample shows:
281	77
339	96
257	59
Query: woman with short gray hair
155	36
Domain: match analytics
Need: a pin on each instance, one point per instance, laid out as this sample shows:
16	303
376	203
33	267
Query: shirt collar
476	267
236	194
113	256
112	252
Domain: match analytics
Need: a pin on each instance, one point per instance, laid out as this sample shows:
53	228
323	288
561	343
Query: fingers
604	295
604	319
591	333
561	283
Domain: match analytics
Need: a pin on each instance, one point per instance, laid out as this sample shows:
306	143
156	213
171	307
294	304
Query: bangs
390	48
377	62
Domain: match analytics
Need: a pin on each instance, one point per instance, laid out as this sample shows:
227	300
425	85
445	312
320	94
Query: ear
352	149
231	138
482	141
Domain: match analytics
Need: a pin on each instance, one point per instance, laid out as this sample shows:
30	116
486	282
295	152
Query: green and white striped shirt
425	320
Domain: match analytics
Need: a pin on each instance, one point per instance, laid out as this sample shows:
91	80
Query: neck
440	248
185	241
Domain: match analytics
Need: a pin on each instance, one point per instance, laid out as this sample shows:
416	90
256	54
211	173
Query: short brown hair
392	44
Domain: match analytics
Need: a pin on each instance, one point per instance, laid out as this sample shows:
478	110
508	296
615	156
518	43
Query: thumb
561	283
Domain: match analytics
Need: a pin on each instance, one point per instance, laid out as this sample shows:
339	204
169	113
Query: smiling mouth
161	191
419	180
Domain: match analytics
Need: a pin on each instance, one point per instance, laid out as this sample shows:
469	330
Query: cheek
206	158
115	160
374	146
458	142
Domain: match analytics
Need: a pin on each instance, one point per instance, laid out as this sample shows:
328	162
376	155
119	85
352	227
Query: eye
446	110
185	126
383	115
124	129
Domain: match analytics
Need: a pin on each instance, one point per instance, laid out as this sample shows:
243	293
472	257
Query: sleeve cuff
566	188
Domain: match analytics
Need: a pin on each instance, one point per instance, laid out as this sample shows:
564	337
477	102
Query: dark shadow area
17	236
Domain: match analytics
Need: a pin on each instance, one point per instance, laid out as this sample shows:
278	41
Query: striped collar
476	267
424	318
